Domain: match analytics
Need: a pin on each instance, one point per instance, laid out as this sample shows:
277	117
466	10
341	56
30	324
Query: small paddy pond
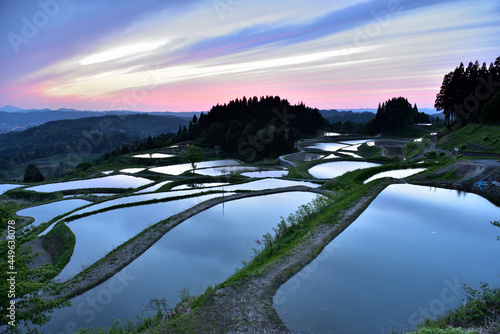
328	147
181	168
7	187
45	212
333	169
113	181
396	174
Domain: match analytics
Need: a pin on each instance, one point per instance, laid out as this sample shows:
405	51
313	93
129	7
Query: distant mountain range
89	135
17	119
335	116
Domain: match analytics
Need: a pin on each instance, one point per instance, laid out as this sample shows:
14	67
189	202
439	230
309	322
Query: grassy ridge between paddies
473	138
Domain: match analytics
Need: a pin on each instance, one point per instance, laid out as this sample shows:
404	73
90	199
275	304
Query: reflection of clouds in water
113	181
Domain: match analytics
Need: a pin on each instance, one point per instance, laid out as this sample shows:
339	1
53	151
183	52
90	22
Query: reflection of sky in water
333	169
5	187
153	156
396	258
355	142
181	168
113	181
153	188
329	147
253	185
216	171
45	212
354	155
135	199
98	234
269	184
397	174
353	148
268	173
132	170
199	185
204	250
331	156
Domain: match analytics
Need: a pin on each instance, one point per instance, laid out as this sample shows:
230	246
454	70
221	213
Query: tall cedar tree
465	92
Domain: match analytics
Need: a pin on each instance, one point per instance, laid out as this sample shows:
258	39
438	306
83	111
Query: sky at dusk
188	55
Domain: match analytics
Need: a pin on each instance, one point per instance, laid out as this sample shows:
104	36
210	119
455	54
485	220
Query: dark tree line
152	142
466	91
253	127
395	114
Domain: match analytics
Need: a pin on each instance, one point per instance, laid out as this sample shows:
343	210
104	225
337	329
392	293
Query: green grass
370	152
484	138
413	148
353	179
481	308
301	170
33	196
61	236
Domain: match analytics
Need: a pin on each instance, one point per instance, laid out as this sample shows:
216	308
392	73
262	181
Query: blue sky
189	55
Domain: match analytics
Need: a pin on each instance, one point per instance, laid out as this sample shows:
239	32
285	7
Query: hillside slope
473	139
92	135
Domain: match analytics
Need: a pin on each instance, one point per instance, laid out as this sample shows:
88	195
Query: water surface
113	181
396	174
153	156
328	147
333	169
132	170
266	173
45	212
6	187
411	250
181	168
98	234
226	170
204	250
199	185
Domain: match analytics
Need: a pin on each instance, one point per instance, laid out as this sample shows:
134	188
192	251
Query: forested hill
335	116
254	128
24	119
92	135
